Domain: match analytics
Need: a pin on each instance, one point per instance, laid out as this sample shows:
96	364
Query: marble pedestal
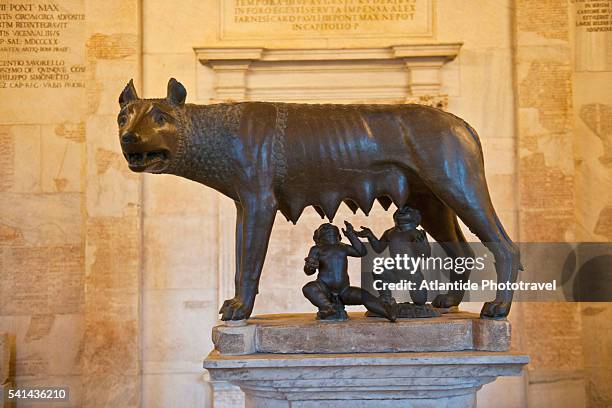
385	365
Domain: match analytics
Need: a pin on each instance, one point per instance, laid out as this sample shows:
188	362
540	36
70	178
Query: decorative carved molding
395	74
437	101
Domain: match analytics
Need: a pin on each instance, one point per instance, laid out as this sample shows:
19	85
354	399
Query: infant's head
326	234
407	216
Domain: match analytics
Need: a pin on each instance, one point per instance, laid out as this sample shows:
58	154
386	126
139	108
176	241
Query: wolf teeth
136	157
141	158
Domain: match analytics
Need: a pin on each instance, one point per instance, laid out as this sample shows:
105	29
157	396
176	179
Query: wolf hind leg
469	198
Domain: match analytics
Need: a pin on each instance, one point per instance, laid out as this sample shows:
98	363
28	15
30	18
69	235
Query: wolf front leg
258	212
238	240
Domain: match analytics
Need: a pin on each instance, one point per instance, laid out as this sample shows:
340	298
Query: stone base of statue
297	361
407	310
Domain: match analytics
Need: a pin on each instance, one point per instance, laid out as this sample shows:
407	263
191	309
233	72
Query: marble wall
562	88
42	203
111	281
70	211
592	121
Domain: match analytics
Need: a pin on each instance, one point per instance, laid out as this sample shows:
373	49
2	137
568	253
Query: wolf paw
235	309
495	310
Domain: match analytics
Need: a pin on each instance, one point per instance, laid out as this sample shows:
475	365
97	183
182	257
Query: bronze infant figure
402	238
332	290
271	157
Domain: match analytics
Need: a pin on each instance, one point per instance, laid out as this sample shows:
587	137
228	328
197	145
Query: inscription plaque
305	19
593	28
42	48
594	15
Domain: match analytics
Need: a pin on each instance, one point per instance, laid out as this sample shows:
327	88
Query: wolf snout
129	138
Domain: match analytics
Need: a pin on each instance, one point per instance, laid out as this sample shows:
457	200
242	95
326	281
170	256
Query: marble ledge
216	360
446	51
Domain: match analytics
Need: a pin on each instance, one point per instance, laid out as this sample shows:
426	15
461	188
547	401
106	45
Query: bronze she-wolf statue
270	157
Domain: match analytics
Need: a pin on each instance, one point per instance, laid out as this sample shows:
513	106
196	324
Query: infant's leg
358	296
386	295
418	296
319	295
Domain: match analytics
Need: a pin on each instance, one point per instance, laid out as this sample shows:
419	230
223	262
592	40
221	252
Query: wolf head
150	129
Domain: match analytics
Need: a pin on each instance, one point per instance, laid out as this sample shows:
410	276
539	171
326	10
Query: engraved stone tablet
306	19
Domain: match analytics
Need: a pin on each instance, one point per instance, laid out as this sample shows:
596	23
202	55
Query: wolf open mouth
145	159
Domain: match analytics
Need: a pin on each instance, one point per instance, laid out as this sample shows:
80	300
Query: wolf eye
159	118
122	120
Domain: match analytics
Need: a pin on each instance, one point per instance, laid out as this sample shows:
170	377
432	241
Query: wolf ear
176	92
128	95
